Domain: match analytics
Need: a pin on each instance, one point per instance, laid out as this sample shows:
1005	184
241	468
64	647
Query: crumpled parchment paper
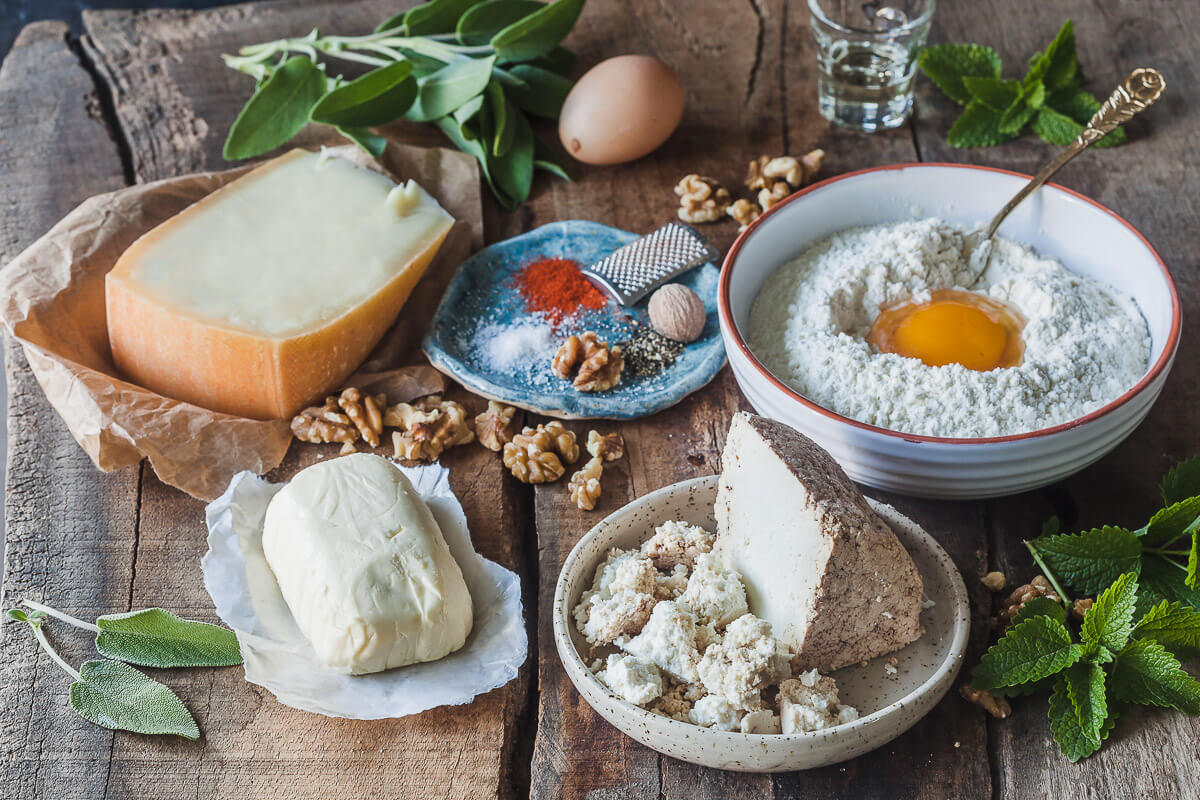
52	301
279	657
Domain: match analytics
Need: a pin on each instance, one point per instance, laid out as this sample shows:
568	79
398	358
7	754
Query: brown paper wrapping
52	301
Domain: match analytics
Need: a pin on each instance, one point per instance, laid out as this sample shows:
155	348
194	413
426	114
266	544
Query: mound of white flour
1085	344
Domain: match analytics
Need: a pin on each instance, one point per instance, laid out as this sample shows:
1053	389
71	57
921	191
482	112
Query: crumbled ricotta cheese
714	712
625	613
748	660
716	596
632	679
667	640
677	700
621	597
670	585
762	721
1085	343
677	542
809	702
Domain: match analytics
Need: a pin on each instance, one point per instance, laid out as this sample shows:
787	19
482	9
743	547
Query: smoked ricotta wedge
819	565
264	296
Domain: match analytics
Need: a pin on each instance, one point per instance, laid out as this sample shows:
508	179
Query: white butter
363	567
292	247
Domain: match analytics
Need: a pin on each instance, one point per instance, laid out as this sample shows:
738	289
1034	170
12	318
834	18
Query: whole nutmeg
677	312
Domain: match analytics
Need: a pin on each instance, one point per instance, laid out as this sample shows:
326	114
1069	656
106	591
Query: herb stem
1037	559
54	612
1161	552
50	651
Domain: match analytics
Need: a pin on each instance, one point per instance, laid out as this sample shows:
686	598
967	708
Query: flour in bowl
1085	344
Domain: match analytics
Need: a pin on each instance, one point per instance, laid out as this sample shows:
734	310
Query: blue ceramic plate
483	337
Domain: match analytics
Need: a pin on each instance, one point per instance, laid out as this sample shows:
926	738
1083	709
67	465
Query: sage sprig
111	693
474	68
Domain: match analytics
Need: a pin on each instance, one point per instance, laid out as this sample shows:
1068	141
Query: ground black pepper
649	353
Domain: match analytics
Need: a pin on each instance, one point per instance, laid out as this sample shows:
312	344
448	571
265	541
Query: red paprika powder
556	288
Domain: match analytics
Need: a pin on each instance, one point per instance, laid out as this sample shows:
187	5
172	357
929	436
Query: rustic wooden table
143	95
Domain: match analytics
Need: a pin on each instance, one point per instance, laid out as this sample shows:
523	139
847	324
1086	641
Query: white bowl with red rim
1083	235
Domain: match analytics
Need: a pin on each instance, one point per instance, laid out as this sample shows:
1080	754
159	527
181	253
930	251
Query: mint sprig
112	694
1050	96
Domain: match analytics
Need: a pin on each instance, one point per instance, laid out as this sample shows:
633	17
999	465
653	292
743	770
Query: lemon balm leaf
1181	481
1089	562
1030	651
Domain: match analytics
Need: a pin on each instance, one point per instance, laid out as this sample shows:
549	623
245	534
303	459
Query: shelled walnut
595	364
496	426
998	707
1038	587
701	199
770	195
536	455
585	484
606	447
427	427
323	424
364	412
774	178
744	212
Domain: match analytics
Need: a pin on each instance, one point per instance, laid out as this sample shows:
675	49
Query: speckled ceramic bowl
889	704
1086	237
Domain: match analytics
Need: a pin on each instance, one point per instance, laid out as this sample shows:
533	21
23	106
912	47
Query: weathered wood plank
70	528
175	100
761	99
1151	183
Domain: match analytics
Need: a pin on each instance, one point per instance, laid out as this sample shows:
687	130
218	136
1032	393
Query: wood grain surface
143	95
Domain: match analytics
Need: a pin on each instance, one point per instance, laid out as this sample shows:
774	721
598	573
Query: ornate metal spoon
1136	94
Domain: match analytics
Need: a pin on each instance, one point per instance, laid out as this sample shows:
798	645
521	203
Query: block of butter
264	296
364	568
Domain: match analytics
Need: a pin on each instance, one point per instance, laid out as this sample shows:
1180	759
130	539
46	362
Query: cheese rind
364	569
263	296
818	563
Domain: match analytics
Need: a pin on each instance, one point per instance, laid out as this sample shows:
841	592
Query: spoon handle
1136	94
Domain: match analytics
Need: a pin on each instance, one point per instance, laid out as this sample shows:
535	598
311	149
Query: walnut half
536	455
595	364
427	427
701	199
496	426
585	484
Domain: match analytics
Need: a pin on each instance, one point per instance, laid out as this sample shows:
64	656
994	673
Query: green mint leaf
1034	649
540	92
1055	128
119	697
372	143
157	638
995	93
1085	690
451	86
1035	96
977	126
277	110
538	33
1058	65
1173	521
1181	481
1173	625
1078	105
436	16
947	64
546	159
1016	116
1164	580
1089	562
1066	729
1052	526
1040	607
481	22
1146	674
377	98
1109	622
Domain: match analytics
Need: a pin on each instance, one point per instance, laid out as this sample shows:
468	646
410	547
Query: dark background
16	14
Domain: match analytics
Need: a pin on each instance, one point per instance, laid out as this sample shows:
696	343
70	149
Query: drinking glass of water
867	59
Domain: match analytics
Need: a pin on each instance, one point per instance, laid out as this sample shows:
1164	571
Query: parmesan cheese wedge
265	295
818	563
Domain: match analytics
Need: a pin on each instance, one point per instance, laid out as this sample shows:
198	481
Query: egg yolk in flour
951	327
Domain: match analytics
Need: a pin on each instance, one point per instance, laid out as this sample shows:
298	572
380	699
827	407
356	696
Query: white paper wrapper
279	657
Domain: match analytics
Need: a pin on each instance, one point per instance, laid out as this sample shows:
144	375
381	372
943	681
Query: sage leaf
119	697
503	125
539	91
157	638
537	33
377	98
471	146
277	110
372	143
547	160
483	21
466	116
394	22
436	16
513	172
559	60
445	90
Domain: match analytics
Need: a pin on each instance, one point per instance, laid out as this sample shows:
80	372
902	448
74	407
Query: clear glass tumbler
867	58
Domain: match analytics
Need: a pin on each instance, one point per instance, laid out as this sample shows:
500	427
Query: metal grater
630	272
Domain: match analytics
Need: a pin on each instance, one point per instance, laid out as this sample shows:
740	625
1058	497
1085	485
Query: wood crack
756	7
87	55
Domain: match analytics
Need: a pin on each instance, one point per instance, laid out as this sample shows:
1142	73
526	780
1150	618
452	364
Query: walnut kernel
600	369
567	357
584	486
322	424
427	427
772	194
496	426
994	581
744	212
701	199
363	412
530	464
606	447
998	707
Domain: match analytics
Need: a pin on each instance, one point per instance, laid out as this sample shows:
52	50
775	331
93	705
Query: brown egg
621	109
